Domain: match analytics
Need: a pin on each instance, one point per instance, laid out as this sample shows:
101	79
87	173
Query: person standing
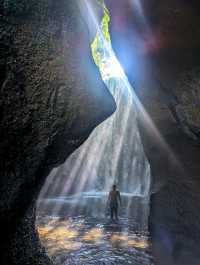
114	199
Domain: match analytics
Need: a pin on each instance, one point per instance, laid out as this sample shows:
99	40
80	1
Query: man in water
114	199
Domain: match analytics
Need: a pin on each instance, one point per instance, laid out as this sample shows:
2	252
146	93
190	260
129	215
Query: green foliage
98	45
105	25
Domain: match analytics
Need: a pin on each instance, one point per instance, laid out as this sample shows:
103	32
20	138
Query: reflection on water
84	239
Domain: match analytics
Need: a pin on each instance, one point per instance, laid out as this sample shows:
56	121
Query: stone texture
167	83
51	97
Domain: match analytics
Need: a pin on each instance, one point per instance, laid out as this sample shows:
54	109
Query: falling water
113	153
72	214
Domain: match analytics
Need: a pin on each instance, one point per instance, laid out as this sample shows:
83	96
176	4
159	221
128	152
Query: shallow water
79	238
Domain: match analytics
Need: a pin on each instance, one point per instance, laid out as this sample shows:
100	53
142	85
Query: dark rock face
187	107
174	216
168	87
51	97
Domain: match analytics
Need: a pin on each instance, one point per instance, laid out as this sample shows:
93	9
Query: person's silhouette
114	199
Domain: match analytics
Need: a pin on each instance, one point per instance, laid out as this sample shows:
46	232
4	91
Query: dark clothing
114	199
114	212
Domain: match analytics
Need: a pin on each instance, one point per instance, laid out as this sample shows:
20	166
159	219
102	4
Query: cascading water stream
113	153
71	211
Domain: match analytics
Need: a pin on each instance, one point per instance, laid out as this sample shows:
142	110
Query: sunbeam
113	153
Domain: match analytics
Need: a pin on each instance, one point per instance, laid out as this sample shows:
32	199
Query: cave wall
159	48
51	97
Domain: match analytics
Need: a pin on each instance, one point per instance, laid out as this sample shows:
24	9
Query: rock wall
162	40
51	97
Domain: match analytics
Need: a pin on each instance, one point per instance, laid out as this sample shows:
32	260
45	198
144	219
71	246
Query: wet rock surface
51	97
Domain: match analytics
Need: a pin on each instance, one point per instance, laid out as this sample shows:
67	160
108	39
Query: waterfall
113	153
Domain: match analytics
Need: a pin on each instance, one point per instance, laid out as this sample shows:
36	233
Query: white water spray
113	153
